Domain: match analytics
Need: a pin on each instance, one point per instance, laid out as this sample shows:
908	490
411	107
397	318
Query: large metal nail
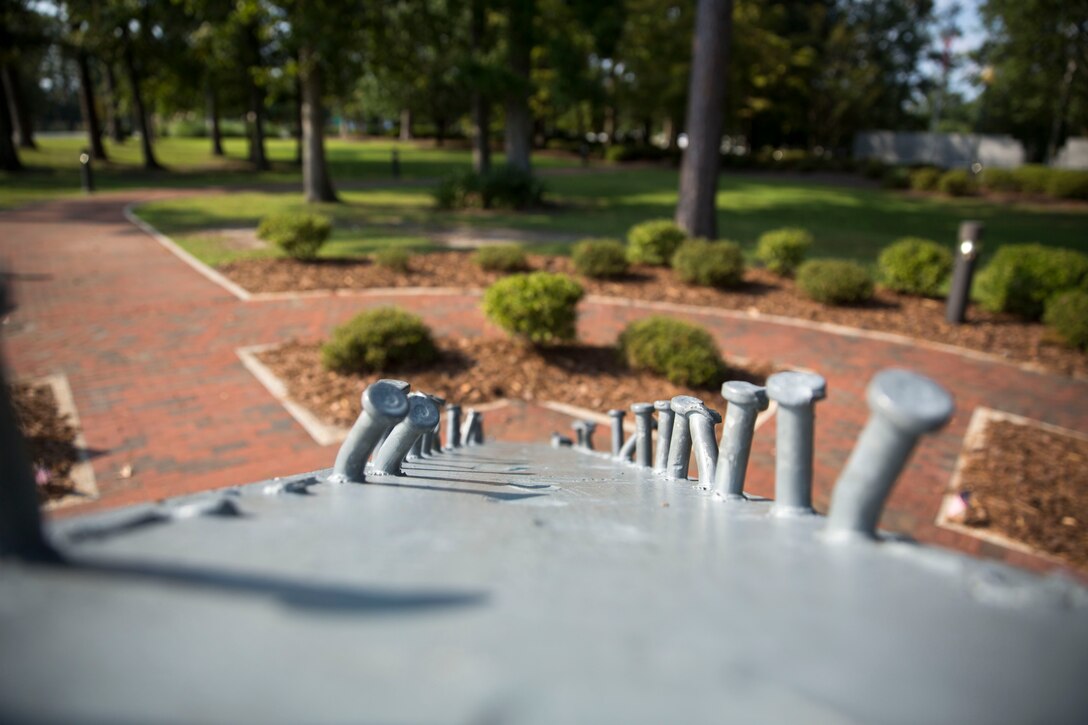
422	415
617	430
694	424
453	426
384	405
416	451
579	428
401	385
627	448
590	428
644	422
796	394
664	434
903	405
436	434
472	430
745	402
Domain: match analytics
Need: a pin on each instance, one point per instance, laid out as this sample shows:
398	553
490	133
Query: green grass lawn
847	222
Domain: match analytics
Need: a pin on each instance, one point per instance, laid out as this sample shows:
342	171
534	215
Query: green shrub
600	257
1032	178
915	266
1067	314
957	182
684	353
925	178
654	242
501	258
999	180
298	234
503	187
458	191
711	264
381	339
874	169
834	281
896	177
1022	277
541	307
783	250
1067	184
393	258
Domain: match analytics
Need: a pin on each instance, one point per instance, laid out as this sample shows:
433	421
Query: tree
695	210
519	47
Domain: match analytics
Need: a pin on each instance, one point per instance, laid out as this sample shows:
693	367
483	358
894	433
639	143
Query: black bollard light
86	173
396	164
970	244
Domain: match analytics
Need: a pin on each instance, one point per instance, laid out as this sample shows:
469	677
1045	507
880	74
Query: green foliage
925	178
1067	184
1067	314
835	281
896	177
600	258
382	339
684	353
783	250
625	153
993	179
540	307
654	242
1032	178
501	258
502	188
956	182
915	266
299	235
1021	278
396	259
712	264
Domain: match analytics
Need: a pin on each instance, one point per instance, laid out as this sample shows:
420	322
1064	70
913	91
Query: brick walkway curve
148	346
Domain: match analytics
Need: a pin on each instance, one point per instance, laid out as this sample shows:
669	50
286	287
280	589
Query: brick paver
149	347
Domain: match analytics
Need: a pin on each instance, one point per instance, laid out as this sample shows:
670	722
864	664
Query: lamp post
86	173
970	243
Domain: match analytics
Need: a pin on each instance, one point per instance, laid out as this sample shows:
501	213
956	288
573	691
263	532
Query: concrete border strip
82	473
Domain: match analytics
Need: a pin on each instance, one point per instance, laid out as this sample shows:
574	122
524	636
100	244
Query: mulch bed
474	371
762	293
50	439
1030	485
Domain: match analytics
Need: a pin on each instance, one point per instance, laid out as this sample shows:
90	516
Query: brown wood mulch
1030	485
1003	335
50	439
474	371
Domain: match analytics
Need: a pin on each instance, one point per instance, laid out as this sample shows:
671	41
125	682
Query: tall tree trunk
439	130
20	106
406	124
257	155
113	115
695	212
315	172
87	107
9	156
1060	110
481	104
140	112
298	118
519	122
211	99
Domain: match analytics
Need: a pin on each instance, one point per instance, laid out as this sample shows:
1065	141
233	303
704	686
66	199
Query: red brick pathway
149	347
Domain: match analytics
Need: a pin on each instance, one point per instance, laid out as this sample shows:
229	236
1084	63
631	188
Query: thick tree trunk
439	130
20	107
140	112
695	211
481	105
519	121
315	172
9	156
87	107
298	119
406	124
211	99
113	115
255	117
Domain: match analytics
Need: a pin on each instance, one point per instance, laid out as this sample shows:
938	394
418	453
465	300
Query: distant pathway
148	346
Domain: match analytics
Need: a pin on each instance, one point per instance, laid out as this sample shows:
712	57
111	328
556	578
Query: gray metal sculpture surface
515	583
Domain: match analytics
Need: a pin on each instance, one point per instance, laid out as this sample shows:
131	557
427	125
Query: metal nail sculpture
617	430
664	434
693	425
421	417
453	426
796	394
384	406
644	423
745	403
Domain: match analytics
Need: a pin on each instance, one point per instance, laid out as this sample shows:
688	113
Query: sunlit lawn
847	222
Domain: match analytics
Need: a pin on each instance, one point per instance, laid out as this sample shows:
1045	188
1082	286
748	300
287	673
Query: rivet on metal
644	423
903	405
617	430
422	415
796	394
453	426
384	405
745	402
664	434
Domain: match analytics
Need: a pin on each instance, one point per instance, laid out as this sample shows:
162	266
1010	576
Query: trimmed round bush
540	307
1067	184
956	182
711	264
1022	277
1067	314
654	242
835	281
684	353
298	234
1032	178
915	266
783	250
925	178
501	258
381	339
503	187
993	179
393	258
600	258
